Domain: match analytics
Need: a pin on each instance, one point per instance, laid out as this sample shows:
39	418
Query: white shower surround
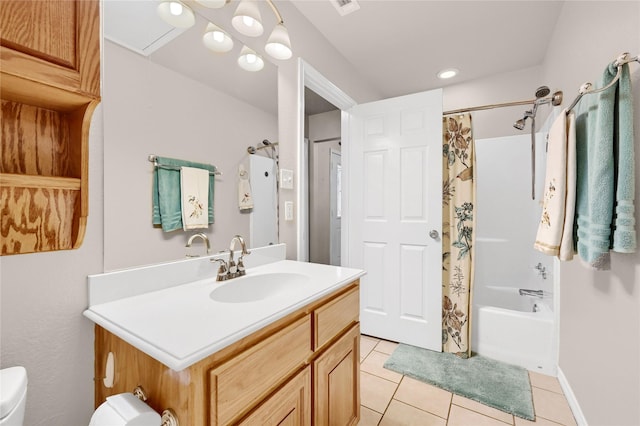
504	326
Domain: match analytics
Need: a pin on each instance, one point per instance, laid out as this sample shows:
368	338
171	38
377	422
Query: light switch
286	179
288	210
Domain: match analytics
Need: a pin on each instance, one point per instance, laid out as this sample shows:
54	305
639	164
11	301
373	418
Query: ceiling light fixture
216	39
176	13
246	20
249	60
448	73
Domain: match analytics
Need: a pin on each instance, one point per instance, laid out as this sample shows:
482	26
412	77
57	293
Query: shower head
520	123
266	142
251	149
542	91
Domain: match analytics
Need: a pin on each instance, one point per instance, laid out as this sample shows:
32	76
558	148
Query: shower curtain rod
491	106
587	88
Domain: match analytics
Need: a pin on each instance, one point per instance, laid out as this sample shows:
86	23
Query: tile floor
389	398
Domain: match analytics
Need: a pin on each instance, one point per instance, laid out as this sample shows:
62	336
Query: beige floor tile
375	392
386	347
366	345
400	414
482	409
459	416
374	364
543	381
538	422
369	417
424	396
552	406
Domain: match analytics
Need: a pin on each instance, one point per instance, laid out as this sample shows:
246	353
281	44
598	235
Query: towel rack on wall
588	89
154	159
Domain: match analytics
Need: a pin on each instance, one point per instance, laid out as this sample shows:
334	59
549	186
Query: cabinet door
337	382
289	406
54	42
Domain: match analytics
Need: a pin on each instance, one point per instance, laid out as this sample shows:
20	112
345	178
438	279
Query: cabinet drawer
335	316
243	381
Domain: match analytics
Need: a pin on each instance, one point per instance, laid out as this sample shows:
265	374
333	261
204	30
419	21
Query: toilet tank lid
13	385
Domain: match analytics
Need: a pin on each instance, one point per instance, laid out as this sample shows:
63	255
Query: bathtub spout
528	292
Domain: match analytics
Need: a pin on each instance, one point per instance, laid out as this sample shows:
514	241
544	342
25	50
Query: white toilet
124	409
13	395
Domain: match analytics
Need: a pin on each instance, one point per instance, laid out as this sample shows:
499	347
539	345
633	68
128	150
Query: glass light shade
279	44
212	4
249	60
247	19
216	39
176	14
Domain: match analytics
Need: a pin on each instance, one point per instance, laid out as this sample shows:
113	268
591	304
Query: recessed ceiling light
448	73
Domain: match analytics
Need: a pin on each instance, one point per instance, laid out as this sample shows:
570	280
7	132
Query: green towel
605	175
167	209
624	231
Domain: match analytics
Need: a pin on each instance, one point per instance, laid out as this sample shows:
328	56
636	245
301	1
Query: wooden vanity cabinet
300	370
49	88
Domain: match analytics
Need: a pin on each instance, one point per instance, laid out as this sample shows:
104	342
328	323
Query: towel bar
154	159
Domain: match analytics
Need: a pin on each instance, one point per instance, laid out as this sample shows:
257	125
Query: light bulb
216	39
248	21
175	8
250	60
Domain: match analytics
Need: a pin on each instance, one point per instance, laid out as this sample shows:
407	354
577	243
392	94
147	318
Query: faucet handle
222	269
241	268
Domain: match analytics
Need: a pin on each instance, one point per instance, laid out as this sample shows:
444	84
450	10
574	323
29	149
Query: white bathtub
506	328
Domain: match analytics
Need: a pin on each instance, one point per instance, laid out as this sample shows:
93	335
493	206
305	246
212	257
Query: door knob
434	234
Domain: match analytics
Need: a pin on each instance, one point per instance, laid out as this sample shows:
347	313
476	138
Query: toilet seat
13	383
125	409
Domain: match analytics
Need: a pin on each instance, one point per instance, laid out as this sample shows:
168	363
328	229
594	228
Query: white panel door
395	198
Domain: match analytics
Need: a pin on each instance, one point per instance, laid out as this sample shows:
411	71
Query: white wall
41	323
600	311
149	109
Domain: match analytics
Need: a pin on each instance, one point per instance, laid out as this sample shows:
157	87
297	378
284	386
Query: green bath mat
502	386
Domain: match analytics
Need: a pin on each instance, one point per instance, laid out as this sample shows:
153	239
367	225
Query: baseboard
571	399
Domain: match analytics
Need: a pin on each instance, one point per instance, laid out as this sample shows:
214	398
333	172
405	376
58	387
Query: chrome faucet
203	237
231	269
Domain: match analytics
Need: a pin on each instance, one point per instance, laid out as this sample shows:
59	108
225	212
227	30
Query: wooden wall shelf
49	88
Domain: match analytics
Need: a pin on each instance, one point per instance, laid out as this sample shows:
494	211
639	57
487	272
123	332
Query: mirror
181	101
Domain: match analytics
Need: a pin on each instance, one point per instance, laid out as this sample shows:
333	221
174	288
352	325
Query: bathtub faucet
542	271
529	292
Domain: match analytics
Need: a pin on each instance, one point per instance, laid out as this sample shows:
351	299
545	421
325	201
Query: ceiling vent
345	7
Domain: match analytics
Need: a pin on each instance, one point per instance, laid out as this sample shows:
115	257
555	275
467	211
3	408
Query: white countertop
182	325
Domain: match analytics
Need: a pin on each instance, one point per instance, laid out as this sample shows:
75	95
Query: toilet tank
13	396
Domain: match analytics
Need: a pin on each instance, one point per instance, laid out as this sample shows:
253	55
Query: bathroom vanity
289	357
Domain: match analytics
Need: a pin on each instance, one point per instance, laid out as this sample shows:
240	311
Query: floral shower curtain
458	222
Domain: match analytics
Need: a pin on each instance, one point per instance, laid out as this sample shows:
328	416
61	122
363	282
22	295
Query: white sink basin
251	288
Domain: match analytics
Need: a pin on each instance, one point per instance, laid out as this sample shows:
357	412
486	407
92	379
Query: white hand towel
245	198
549	234
566	244
194	187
